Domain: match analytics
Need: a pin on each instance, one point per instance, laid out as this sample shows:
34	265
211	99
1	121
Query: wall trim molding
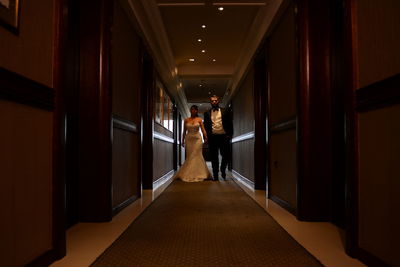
282	126
243	180
163	179
284	204
20	89
380	94
243	137
163	137
124	204
123	124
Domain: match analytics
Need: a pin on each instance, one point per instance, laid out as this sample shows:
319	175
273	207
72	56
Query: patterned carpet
205	224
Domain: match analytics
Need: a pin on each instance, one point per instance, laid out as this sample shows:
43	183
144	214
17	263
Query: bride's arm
184	133
203	131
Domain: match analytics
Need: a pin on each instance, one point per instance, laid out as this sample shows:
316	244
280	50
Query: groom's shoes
215	178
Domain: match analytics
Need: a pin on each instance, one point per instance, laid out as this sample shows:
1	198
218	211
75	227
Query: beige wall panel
30	53
243	158
379	184
243	106
25	183
378	40
163	160
282	69
283	180
125	165
125	67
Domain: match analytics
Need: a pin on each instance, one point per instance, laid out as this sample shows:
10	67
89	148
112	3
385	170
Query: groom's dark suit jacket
227	122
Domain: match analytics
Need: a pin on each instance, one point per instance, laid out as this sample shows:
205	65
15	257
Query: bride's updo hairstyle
195	108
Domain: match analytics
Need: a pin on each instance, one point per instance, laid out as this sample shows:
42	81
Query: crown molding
150	22
259	28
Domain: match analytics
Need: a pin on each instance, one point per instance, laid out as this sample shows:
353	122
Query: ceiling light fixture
191	59
199	40
214	60
200	85
203	26
203	51
220	8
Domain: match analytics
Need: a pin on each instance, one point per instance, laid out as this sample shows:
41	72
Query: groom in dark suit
219	127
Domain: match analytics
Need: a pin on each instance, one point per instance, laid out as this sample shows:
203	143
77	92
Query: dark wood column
147	121
176	146
314	112
260	110
95	111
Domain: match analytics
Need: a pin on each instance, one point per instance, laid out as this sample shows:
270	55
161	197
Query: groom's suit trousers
219	143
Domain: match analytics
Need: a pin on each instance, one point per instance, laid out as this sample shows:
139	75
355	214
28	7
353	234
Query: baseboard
283	204
124	204
163	179
243	180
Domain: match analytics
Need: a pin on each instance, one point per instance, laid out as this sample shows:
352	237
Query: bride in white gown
194	169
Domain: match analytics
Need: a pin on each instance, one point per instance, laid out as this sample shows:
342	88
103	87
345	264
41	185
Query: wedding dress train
194	169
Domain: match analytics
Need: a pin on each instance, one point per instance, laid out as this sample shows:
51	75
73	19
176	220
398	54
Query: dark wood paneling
379	95
59	129
22	90
147	95
282	68
283	169
243	122
31	53
379	156
162	156
282	110
126	66
243	105
243	158
314	112
378	42
260	117
350	81
338	73
125	166
26	184
95	111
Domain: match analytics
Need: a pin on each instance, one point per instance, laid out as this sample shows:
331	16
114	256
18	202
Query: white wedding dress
194	169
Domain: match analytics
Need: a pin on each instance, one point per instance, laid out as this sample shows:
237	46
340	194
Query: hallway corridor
183	213
301	97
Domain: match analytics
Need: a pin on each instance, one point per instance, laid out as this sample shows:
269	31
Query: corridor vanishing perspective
205	224
93	97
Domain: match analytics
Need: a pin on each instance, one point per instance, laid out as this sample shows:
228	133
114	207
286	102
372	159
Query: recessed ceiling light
200	85
199	40
203	51
214	60
191	59
220	8
203	26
